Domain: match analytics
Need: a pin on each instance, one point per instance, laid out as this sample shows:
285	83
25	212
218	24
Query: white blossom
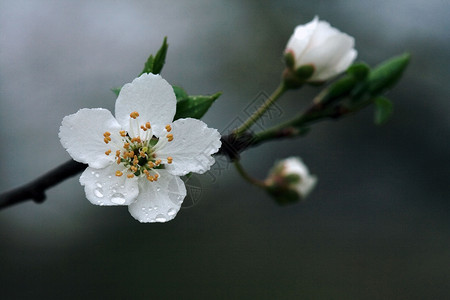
135	158
290	180
327	49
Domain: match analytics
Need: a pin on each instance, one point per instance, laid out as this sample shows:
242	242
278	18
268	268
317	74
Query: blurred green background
376	227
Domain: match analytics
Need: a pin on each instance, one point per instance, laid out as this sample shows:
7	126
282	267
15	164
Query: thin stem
247	177
262	109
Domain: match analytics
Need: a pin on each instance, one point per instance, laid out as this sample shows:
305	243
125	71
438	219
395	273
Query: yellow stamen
118	173
158	162
141	154
143	128
168	128
117	153
169	137
106	140
146	172
123	133
108	152
151	164
148	125
118	160
135	160
133	168
131	175
106	134
134	114
156	176
169	159
150	178
126	145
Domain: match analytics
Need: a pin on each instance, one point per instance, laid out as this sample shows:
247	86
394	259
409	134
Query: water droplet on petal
118	198
122	186
158	189
171	212
155	207
97	175
109	176
160	218
98	184
98	192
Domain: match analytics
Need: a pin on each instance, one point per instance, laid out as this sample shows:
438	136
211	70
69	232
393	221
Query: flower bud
320	46
290	181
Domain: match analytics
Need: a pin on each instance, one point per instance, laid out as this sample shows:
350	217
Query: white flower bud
290	180
321	46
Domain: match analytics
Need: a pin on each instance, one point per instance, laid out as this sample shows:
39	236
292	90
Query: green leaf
160	58
383	110
359	71
194	106
387	74
338	89
154	64
179	93
116	90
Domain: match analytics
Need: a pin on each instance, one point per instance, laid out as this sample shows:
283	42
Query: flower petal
152	97
103	187
192	146
82	136
301	38
158	201
327	56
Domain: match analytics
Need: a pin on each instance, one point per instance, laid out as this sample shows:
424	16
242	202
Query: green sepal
194	106
154	64
383	110
305	72
387	74
359	71
289	60
283	196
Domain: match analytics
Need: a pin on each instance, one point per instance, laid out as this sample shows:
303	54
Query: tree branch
35	190
232	146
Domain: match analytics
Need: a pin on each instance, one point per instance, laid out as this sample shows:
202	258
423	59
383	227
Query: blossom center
137	149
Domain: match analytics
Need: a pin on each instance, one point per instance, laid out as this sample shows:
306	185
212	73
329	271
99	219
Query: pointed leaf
194	106
383	110
387	74
180	93
116	90
154	64
160	58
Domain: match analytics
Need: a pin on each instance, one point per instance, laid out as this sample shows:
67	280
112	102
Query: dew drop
118	198
98	192
160	218
98	184
109	176
171	212
114	190
155	207
158	189
122	186
93	173
97	175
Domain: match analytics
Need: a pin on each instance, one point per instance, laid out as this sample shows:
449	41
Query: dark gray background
376	226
